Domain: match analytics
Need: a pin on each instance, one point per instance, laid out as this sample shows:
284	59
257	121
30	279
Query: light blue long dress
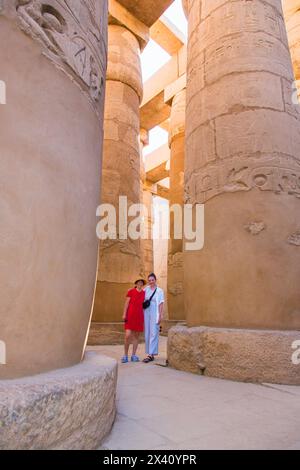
151	317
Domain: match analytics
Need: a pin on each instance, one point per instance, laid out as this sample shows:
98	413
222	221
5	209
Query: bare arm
126	308
161	312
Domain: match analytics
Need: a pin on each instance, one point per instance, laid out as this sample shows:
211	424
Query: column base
235	354
72	408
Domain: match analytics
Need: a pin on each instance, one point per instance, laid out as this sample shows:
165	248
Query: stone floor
162	408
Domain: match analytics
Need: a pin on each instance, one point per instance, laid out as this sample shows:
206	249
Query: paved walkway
162	408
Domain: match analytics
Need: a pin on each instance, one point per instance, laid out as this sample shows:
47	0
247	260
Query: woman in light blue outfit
153	315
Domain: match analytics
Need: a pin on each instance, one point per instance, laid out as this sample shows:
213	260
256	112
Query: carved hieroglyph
291	10
120	260
279	174
243	163
72	34
254	109
53	55
175	258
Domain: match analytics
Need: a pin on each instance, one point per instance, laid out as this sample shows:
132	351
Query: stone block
106	333
235	354
71	408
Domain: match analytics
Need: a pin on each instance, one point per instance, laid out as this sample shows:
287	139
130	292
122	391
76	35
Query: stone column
242	161
147	199
175	259
292	18
51	144
147	243
120	261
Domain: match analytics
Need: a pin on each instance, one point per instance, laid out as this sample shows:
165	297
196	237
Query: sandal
135	358
148	359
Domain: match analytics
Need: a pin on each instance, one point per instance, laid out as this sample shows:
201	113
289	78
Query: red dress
135	314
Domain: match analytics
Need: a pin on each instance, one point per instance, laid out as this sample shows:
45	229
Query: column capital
290	7
291	10
119	15
185	6
124	58
177	120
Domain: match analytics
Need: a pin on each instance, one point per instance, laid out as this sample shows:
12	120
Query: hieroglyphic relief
255	228
279	174
294	239
73	33
176	260
176	289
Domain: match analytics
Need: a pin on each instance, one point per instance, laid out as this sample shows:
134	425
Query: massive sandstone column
147	243
147	200
243	163
175	258
292	17
53	61
120	261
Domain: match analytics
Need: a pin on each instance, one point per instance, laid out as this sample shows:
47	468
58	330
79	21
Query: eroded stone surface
242	162
294	239
50	175
175	251
70	408
255	227
242	355
74	38
291	10
121	258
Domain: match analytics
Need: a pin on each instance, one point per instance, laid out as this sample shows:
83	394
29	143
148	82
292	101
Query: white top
157	299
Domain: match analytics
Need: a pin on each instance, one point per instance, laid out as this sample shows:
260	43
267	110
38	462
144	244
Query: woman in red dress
133	317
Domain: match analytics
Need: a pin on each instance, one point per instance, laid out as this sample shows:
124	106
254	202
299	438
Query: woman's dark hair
152	275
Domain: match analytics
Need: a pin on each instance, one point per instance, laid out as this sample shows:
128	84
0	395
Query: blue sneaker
135	359
124	359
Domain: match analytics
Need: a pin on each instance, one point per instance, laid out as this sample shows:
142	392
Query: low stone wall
71	408
107	334
102	334
242	355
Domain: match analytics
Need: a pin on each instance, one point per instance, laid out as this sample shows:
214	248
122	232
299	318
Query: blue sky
153	58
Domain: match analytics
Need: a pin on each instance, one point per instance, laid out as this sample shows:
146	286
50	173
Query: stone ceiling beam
292	18
290	7
157	189
159	156
158	173
174	88
162	191
146	11
155	112
154	109
165	125
120	16
167	35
